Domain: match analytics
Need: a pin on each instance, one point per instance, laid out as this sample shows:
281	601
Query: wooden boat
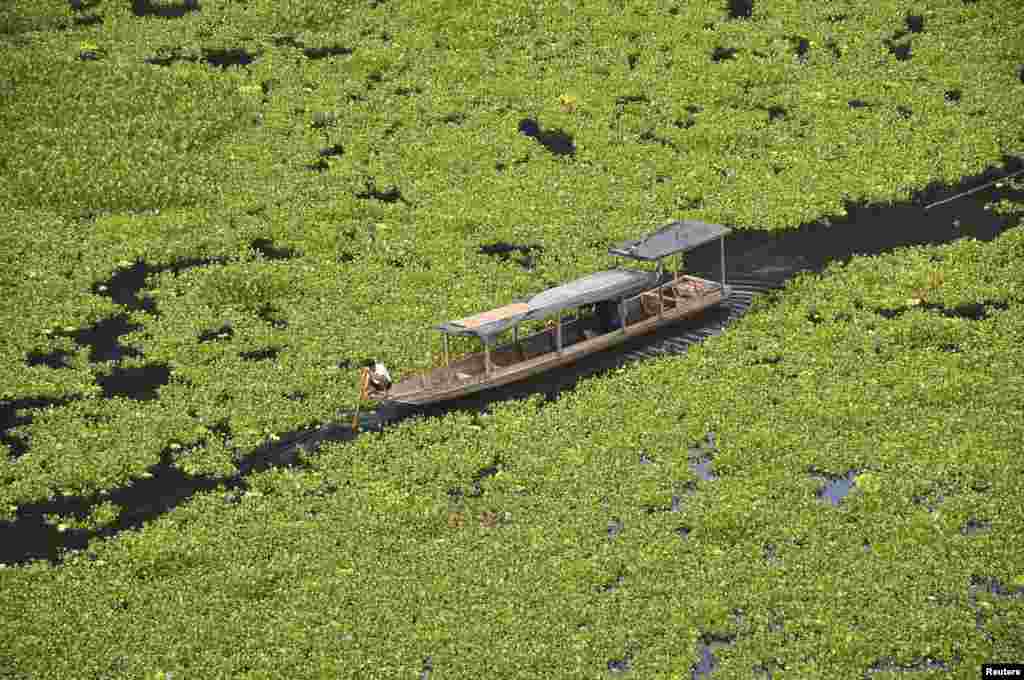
612	306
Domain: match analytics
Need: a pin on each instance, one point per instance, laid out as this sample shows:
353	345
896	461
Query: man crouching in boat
380	379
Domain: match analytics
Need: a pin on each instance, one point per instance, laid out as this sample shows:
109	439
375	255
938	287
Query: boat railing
666	296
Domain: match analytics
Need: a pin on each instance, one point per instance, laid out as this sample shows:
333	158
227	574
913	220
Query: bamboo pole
722	242
448	370
364	382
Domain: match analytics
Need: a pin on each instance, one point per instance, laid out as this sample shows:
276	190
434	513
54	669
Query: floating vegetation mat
213	215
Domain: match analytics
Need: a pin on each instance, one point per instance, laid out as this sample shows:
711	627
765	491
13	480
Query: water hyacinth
177	484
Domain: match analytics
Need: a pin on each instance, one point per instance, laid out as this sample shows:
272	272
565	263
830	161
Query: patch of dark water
623	665
973	311
801	46
705	651
837	487
55	359
557	141
125	283
701	455
504	250
159	490
325	52
225	332
271	316
88	20
228	57
264	354
391	195
102	338
615	527
975	526
140	383
482	474
223	59
899	50
740	9
702	468
992	586
147	8
720	54
91	55
915	24
9	418
771	258
265	248
330	152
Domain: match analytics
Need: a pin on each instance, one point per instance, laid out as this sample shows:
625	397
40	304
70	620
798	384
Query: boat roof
612	284
676	237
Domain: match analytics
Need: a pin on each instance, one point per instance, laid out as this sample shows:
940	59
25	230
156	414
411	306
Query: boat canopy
676	237
613	284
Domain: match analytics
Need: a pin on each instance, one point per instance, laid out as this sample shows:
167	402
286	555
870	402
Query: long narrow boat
612	306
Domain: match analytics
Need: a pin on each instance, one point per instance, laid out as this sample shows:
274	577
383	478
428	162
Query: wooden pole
661	292
558	333
722	242
364	381
487	359
448	370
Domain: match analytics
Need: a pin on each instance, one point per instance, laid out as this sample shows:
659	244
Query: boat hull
441	385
